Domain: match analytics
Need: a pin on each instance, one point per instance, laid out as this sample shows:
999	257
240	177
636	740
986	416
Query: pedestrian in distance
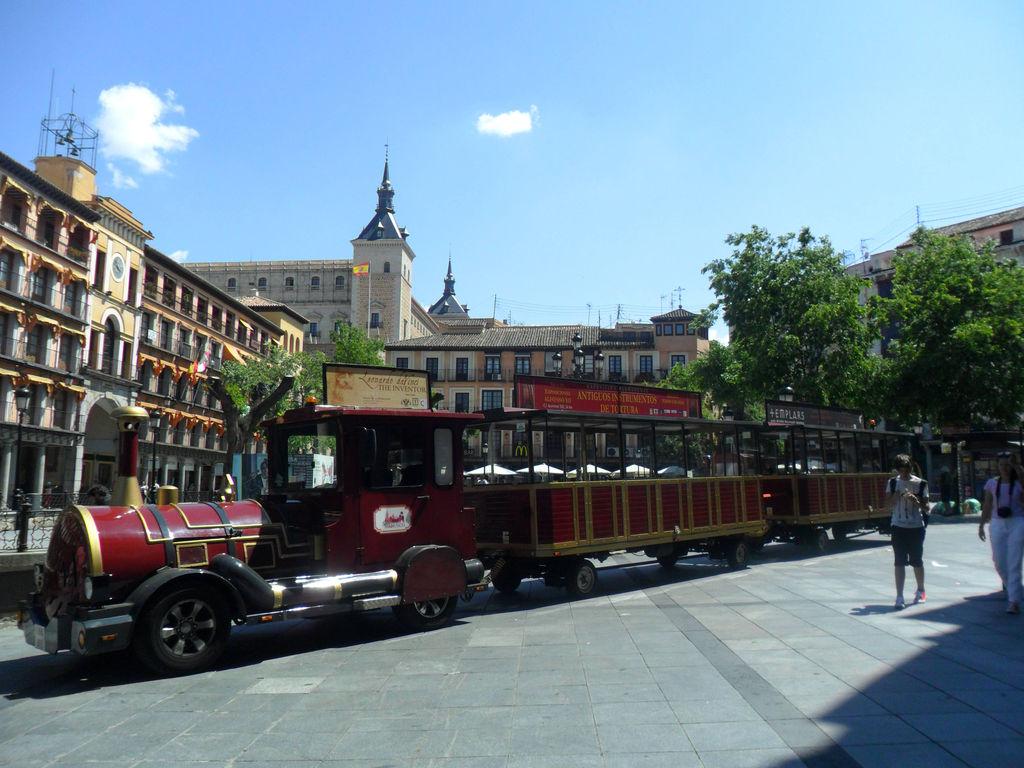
908	499
1004	496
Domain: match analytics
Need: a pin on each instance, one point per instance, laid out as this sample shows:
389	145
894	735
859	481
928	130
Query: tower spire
385	192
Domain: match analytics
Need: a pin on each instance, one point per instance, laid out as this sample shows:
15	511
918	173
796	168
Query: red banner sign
551	394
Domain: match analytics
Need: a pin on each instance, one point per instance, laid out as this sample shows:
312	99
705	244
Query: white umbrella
636	469
591	469
490	469
541	469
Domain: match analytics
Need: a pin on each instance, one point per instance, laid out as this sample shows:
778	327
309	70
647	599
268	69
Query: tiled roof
982	222
675	314
530	337
262	303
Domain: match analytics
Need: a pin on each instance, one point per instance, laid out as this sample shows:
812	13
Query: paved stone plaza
799	660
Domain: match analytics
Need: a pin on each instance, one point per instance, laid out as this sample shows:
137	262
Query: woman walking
1004	507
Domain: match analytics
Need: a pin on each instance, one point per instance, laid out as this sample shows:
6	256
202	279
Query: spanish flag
361	269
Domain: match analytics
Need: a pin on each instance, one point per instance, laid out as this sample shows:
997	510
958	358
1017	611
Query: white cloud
178	256
720	335
507	123
130	127
121	180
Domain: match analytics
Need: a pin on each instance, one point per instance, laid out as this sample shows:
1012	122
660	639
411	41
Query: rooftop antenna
67	134
588	313
663	297
864	247
679	290
49	103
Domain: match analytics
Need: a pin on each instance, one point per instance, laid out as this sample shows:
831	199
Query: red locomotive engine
363	511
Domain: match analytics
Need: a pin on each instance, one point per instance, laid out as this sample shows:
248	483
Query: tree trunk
237	426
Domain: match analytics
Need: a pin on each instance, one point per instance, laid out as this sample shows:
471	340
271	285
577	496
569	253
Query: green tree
352	345
248	393
959	353
795	319
720	377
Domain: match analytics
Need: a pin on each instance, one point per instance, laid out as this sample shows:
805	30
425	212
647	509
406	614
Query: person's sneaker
1013	608
900	603
920	597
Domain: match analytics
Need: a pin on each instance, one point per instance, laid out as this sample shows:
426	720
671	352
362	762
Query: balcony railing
150	291
78	254
168	299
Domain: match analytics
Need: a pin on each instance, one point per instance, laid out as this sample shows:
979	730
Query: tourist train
369	505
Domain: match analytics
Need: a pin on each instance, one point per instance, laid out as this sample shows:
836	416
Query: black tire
737	554
821	541
507	580
430	614
668	562
840	533
581	577
184	631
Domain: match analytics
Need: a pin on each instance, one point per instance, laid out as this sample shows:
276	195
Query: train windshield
304	457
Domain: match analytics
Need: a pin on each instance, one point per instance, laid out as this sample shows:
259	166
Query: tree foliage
352	345
959	355
795	319
719	376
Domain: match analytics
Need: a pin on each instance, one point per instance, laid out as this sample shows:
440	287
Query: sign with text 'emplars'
368	386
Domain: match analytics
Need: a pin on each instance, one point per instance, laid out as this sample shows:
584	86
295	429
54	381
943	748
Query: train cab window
444	471
700	447
830	447
668	452
748	452
847	452
304	457
392	457
868	448
776	452
813	456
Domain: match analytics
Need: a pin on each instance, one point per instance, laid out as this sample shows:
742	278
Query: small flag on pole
361	269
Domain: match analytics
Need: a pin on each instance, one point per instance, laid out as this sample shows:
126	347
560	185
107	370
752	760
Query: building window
339	281
39	284
289	282
387	267
690	330
677	360
314	330
490	398
668	329
314	283
646	363
615	364
109	348
375	320
1006	237
401	362
462	369
523	365
261	283
462	402
35	346
492	367
101	270
431	365
232	283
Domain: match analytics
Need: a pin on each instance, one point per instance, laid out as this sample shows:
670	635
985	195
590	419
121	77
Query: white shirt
1014	501
906	513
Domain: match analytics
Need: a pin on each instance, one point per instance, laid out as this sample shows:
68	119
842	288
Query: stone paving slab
799	660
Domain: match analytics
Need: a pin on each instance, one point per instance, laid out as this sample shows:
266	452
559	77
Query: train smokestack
126	490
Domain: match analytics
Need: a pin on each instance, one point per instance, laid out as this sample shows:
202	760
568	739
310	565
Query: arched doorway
100	458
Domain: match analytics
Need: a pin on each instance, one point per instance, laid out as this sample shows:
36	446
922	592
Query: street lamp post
579	357
786	394
22	397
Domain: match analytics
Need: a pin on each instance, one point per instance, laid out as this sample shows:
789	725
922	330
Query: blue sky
656	130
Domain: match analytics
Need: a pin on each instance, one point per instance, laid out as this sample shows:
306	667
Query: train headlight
87	588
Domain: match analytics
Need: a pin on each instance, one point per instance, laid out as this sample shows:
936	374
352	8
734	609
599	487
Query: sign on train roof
780	413
369	386
551	394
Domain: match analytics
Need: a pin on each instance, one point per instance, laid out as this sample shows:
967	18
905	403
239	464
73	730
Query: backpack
925	516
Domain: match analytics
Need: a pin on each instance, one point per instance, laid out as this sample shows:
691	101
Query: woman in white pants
1004	507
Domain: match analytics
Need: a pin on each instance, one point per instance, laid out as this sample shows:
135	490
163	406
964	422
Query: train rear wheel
507	580
737	553
668	562
426	615
581	577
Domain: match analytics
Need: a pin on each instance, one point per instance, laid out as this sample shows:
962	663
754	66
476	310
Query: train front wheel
428	614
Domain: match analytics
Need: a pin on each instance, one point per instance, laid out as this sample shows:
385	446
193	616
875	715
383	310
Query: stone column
38	475
6	452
